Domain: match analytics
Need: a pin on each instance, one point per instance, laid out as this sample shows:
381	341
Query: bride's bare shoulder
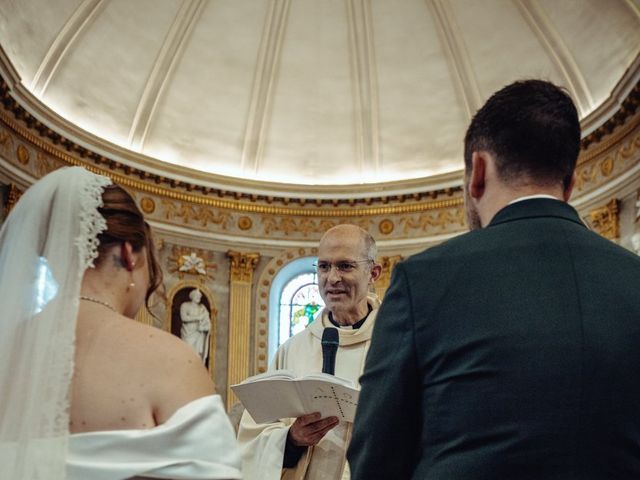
173	372
157	344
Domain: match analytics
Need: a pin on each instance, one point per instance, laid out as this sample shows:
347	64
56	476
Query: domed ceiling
304	92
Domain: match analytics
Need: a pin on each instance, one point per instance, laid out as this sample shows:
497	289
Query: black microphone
330	342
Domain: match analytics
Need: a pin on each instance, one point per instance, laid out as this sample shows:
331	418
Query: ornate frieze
431	222
307	226
628	108
611	159
189	213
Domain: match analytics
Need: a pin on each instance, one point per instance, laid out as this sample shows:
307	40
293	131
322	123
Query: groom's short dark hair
532	129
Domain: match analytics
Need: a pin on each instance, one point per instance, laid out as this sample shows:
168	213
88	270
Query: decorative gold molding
595	150
147	205
23	154
245	223
386	226
436	220
628	108
605	220
305	226
619	156
201	214
206	216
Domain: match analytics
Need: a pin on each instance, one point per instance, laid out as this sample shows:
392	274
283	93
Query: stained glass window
299	304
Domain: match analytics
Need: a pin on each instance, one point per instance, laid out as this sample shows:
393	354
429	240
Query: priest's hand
309	429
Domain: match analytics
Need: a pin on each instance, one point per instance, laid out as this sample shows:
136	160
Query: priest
310	447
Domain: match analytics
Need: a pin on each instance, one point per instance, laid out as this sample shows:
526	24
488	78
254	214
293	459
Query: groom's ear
477	177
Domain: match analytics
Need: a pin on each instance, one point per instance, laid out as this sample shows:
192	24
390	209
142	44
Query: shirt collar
529	197
356	325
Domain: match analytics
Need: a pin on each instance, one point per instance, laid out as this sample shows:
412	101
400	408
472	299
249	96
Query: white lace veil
46	243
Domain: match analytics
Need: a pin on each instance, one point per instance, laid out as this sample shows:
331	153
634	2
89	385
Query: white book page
330	399
270	400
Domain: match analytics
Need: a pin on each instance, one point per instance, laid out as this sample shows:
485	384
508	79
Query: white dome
306	92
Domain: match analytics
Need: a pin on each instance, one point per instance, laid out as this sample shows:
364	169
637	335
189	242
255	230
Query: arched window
299	303
294	301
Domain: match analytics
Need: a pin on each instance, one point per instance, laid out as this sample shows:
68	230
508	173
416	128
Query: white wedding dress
197	442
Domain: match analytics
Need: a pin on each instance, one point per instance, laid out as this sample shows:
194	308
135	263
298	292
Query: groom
511	352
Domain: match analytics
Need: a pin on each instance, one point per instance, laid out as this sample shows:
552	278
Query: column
241	270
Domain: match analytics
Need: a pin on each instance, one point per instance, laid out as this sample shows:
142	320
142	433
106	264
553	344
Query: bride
86	391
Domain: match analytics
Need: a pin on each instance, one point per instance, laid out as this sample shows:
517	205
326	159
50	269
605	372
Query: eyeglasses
342	267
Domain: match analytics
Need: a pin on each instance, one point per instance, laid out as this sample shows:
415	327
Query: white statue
196	324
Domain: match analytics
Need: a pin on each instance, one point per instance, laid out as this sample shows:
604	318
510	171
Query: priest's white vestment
263	444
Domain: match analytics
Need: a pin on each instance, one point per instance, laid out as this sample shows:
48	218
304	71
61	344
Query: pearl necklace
99	302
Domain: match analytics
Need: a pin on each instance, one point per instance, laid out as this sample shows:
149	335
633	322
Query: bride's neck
107	287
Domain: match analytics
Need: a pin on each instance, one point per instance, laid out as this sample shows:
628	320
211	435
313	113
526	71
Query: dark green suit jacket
512	352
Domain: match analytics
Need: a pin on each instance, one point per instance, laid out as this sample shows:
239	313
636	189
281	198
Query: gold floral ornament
386	226
148	205
244	223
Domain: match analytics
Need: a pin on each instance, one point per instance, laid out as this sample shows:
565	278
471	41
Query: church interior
245	129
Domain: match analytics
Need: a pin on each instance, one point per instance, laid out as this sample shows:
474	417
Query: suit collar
536	208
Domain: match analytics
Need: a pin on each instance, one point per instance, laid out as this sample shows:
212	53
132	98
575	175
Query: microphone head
330	337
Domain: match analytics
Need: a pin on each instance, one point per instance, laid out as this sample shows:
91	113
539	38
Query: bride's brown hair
125	223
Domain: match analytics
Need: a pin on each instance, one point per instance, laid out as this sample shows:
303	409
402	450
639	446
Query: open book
274	395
